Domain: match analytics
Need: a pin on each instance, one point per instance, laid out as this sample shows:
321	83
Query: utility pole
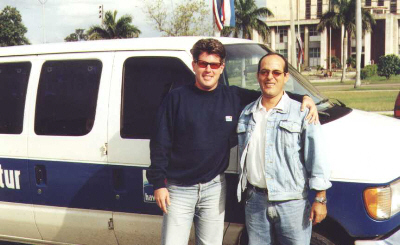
43	2
358	43
101	13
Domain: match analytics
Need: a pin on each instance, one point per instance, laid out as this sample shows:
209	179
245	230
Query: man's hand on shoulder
312	116
162	198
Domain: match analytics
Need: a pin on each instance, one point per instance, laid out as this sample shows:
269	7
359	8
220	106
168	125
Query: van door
140	82
67	149
16	210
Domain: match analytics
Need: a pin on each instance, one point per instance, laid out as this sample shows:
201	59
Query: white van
75	121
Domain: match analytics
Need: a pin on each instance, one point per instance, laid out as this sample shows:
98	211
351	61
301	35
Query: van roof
154	43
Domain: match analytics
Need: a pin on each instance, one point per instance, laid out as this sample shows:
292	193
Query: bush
388	65
368	71
336	62
351	62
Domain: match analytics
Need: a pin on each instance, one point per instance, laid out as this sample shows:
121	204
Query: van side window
67	97
146	81
13	83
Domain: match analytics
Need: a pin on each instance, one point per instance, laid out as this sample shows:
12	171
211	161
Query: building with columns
382	40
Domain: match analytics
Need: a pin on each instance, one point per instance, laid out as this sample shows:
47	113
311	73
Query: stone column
273	35
389	34
395	35
289	45
306	45
323	49
367	48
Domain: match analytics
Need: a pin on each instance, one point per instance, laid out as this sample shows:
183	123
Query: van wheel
317	239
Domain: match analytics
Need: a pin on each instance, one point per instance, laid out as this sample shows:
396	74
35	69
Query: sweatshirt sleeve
296	97
246	95
160	144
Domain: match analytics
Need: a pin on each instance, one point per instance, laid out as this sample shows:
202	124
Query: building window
13	83
319	8
314	56
312	31
308	9
314	52
146	81
367	2
67	97
380	2
282	52
393	6
283	35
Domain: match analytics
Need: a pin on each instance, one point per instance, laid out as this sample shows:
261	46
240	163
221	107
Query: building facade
317	46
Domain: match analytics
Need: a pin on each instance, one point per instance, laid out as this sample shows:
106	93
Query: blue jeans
203	204
277	222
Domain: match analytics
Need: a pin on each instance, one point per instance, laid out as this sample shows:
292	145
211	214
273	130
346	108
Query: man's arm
318	209
247	96
317	167
160	147
306	102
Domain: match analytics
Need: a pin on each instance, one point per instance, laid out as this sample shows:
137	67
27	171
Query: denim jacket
295	160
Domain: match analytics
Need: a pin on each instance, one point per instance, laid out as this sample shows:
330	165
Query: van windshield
241	70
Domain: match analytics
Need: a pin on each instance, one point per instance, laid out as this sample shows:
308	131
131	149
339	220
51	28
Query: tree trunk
358	44
344	65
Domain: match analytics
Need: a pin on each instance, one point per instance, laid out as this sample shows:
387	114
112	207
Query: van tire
317	239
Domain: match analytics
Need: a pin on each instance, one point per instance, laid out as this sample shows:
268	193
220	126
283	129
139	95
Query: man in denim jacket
281	157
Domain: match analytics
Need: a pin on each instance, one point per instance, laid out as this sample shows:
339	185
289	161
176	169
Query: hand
162	198
318	213
312	116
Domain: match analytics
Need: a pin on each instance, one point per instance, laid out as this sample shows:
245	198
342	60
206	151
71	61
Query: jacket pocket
290	133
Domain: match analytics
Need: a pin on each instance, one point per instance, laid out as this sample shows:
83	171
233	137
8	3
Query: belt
257	189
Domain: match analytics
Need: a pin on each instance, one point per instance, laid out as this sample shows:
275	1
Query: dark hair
210	46
285	68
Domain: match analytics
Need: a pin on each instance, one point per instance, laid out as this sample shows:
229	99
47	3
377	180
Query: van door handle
40	175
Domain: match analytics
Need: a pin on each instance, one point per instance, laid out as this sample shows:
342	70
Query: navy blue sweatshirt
195	130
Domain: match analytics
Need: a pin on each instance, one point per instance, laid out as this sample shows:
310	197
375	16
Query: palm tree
343	14
248	19
78	35
113	28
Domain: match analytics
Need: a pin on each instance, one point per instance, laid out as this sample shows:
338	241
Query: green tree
188	18
248	18
113	28
343	14
78	35
12	30
388	65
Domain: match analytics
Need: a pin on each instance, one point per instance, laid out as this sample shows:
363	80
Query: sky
62	17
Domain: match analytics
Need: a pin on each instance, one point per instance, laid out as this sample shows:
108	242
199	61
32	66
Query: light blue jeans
277	222
203	204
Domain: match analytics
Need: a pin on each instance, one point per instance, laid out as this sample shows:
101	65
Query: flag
301	52
224	13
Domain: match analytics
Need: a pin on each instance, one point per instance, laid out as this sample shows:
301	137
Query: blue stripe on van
120	188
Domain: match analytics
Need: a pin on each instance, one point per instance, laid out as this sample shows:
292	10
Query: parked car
75	123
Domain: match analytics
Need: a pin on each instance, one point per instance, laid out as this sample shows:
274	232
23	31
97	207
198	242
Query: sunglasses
275	73
204	64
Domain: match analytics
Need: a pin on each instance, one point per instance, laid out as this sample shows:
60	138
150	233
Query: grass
365	100
375	94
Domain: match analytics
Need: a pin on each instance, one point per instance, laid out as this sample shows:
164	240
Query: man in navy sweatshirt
195	129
